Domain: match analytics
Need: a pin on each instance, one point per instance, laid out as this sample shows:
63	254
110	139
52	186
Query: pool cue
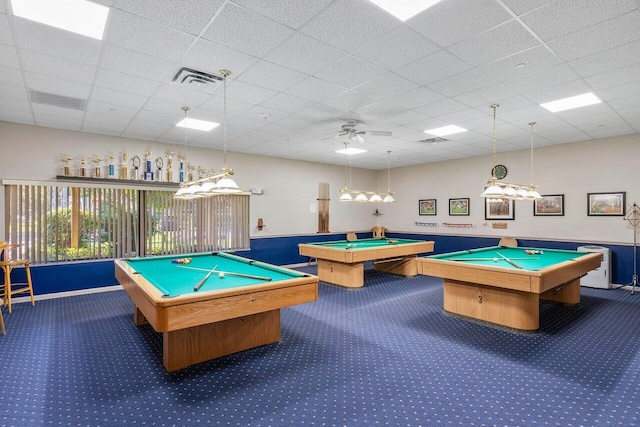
516	265
248	276
482	259
200	283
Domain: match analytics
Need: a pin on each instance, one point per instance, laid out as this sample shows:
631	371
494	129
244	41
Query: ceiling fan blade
377	132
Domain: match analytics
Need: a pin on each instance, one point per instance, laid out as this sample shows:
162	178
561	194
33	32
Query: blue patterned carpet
383	355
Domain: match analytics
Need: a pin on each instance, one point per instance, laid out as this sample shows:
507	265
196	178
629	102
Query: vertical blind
53	222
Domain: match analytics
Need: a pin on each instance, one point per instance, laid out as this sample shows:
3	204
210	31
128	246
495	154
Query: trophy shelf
117	181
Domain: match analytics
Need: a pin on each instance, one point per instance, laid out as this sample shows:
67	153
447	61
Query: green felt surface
172	280
365	243
533	262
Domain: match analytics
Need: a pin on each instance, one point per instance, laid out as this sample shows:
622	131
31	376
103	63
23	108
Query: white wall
574	169
290	187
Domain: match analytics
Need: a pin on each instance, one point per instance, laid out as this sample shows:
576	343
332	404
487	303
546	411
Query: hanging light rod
349	195
500	190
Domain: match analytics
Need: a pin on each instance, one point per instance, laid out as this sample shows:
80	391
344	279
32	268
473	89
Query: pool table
238	311
341	262
483	285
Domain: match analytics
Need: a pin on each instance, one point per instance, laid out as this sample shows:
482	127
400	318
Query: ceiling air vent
433	140
57	100
195	79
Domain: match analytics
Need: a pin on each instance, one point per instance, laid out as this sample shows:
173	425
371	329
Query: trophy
159	164
83	169
148	173
66	159
124	174
169	164
135	161
112	167
190	169
181	159
201	172
96	166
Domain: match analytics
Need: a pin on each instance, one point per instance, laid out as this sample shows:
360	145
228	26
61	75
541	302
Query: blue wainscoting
49	279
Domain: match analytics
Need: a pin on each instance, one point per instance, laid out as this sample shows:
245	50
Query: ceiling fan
350	130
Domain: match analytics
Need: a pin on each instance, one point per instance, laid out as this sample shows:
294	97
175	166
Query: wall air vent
433	140
195	79
57	100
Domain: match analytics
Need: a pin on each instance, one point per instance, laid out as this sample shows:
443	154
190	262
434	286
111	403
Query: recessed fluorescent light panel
350	151
572	102
404	9
78	16
446	130
197	124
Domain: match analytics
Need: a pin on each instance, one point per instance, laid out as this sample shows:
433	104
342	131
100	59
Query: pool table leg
567	294
343	274
186	347
507	307
405	266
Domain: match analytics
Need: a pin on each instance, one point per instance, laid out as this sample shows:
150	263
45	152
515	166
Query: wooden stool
379	232
1	318
7	266
508	241
351	237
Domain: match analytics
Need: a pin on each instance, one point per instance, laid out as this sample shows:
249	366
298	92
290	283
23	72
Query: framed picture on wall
551	205
459	207
502	209
606	204
427	207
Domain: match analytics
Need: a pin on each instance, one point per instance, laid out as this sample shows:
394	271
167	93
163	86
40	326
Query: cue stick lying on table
516	265
485	259
200	283
230	273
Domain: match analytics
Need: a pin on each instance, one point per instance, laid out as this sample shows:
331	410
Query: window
61	222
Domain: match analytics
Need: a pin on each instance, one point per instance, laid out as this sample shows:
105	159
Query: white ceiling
301	68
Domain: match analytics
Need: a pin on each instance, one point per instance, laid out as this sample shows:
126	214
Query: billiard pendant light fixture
498	190
214	184
347	194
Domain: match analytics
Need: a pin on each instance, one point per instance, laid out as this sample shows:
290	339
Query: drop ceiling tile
406	118
171	108
467	81
55	42
16	116
212	57
292	14
259	112
102	128
234	107
135	33
559	18
241	29
9	56
494	44
138	64
533	60
520	7
439	108
105	120
159	118
271	76
349	24
432	68
621	91
305	54
187	16
5	30
315	89
563	90
50	111
3	9
247	93
8	104
607	60
450	22
589	110
11	77
288	103
613	78
416	98
104	108
386	86
611	131
48	84
349	101
350	72
39	63
115	97
382	110
603	36
550	77
399	47
466	116
150	134
125	82
68	123
624	104
486	96
175	93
